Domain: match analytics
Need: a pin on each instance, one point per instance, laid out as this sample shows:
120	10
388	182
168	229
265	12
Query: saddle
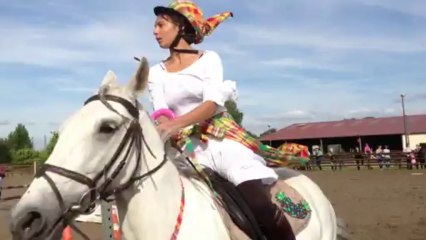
234	204
234	209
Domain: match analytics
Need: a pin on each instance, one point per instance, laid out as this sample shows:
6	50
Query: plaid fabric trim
215	20
195	16
223	126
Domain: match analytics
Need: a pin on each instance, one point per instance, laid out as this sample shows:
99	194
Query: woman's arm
156	92
213	94
205	111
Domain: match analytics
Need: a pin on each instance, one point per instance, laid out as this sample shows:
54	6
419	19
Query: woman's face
165	31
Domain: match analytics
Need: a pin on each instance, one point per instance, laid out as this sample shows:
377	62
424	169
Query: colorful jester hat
195	16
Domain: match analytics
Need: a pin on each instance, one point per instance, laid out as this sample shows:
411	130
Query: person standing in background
318	157
386	156
359	158
2	176
379	156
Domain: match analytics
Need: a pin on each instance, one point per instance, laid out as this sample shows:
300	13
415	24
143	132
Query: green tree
252	134
232	108
269	131
5	155
25	156
19	138
52	142
44	155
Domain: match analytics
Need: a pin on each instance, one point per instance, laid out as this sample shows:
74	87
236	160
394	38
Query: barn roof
369	126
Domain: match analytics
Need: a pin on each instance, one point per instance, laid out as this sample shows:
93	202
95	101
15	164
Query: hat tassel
214	21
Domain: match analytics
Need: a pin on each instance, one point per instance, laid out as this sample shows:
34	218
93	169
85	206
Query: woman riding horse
189	86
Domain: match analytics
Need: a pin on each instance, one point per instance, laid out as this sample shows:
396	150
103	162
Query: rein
133	138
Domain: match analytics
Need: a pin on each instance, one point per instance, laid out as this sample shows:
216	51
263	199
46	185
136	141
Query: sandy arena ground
375	205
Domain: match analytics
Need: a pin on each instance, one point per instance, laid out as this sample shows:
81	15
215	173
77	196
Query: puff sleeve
213	80
156	89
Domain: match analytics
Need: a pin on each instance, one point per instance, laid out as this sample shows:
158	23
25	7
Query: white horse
111	147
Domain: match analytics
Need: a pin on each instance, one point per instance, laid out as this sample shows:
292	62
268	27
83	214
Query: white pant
233	161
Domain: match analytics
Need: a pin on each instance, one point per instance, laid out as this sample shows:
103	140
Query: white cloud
76	89
390	111
225	48
259	123
41	114
302	99
321	39
66	46
297	90
110	36
297	113
269	7
289	116
411	7
301	63
360	111
4	122
416	97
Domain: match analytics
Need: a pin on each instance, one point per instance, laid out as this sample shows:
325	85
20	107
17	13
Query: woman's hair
188	33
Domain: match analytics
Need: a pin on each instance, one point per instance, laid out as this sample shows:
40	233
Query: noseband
132	138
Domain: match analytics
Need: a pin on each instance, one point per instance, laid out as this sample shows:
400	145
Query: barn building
349	133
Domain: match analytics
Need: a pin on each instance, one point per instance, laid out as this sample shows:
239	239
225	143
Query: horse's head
97	154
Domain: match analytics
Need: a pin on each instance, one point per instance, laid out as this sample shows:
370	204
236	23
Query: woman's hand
167	129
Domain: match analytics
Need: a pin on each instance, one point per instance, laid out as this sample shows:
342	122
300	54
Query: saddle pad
297	223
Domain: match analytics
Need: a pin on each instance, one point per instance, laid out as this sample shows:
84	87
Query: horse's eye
107	128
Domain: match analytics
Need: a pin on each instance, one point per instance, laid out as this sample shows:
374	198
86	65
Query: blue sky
293	61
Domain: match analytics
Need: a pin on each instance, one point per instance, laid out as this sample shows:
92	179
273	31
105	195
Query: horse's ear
110	79
139	81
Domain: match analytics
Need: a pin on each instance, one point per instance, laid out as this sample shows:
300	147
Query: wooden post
360	144
34	167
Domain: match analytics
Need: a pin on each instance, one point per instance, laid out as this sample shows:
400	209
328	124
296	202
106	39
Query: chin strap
190	51
174	44
176	41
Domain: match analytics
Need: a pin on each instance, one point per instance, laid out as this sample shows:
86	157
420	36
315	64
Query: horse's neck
149	208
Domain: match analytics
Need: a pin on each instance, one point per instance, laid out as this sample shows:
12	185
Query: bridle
133	138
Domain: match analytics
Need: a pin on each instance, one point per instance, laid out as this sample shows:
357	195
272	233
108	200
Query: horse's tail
342	233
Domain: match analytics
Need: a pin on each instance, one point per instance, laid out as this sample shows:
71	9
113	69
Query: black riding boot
270	218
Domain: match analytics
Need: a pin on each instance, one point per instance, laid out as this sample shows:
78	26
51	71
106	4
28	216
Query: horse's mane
179	160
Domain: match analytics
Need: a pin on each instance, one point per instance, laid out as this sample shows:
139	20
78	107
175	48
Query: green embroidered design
300	210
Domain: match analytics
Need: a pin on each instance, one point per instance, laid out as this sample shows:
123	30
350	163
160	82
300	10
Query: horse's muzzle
34	224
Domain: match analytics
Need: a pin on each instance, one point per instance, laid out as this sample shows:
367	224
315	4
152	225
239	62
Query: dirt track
376	205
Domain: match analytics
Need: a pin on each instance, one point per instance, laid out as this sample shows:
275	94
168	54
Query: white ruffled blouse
184	90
